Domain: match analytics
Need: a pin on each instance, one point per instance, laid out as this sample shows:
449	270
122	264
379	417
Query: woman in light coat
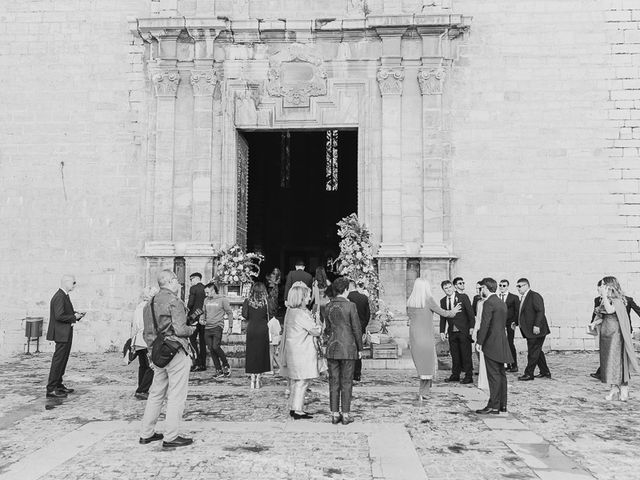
145	372
298	354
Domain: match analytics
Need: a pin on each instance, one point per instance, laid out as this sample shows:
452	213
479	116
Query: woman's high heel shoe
258	381
624	393
614	394
253	381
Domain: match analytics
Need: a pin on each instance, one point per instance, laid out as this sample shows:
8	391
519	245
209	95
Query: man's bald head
68	282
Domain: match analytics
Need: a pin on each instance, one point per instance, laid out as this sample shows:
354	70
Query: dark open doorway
300	184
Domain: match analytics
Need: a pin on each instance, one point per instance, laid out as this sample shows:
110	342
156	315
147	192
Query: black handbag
162	350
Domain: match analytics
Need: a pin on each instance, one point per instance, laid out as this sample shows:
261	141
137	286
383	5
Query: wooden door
243	190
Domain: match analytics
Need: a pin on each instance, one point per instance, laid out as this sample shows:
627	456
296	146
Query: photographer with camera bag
167	334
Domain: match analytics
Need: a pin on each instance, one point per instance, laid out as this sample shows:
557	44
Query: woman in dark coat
344	347
256	312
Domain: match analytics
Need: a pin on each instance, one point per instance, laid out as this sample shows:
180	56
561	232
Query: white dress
483	382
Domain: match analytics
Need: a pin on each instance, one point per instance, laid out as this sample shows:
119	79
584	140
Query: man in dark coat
534	327
492	342
62	317
459	333
196	303
297	275
513	306
364	314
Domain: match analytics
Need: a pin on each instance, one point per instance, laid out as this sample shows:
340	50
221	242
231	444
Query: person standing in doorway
513	306
459	333
62	317
170	383
534	327
215	308
297	275
364	314
195	304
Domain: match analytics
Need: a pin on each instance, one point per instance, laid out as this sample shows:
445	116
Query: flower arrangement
356	257
235	266
383	317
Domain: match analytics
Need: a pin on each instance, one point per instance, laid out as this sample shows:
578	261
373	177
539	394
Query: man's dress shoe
488	411
56	394
513	369
64	389
178	442
452	378
466	380
336	419
153	438
525	377
544	375
503	409
595	375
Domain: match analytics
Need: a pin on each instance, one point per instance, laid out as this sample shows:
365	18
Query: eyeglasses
504	285
74	283
460	283
520	286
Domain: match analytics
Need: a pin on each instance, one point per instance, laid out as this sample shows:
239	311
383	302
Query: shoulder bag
162	350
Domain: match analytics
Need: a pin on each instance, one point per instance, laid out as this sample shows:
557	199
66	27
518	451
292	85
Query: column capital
431	80
390	80
166	82
204	82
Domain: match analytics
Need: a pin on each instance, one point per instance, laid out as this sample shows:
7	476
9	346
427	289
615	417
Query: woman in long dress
255	310
420	308
298	354
617	355
483	381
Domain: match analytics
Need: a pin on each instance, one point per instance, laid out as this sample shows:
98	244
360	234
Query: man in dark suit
297	275
513	306
364	314
62	317
534	327
196	302
458	333
631	305
493	343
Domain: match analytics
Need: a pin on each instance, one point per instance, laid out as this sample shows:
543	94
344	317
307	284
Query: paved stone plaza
555	429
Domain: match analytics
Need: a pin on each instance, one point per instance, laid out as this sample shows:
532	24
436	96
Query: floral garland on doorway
356	257
235	266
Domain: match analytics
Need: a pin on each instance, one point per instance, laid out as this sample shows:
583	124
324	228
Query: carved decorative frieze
204	82
296	74
166	82
431	80
390	80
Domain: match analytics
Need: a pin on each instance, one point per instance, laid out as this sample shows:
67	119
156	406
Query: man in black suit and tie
492	342
534	327
62	316
459	333
631	305
513	306
196	302
297	275
364	314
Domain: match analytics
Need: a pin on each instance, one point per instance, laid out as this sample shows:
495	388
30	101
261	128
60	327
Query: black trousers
199	346
510	334
340	384
59	364
460	348
535	356
357	371
497	377
213	337
145	372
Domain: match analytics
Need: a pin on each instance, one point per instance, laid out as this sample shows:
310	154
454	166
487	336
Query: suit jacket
464	320
296	276
631	305
196	297
532	314
513	306
343	327
362	306
61	318
492	334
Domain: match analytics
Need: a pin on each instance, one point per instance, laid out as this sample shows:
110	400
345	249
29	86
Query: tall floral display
236	267
356	257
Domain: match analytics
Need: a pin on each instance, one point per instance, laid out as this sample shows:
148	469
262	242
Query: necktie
449	303
502	297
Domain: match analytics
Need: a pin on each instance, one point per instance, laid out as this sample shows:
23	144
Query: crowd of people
322	331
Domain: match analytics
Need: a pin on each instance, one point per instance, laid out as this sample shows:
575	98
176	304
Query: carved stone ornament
204	82
431	80
390	80
296	74
166	82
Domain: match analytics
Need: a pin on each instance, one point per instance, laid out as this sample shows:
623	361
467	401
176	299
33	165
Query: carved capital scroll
204	82
390	80
431	80
166	82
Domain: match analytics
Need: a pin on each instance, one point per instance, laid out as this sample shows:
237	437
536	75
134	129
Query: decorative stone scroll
166	82
390	80
296	74
203	82
431	80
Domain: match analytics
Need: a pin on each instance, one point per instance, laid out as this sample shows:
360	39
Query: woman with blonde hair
420	308
145	372
258	354
617	355
298	354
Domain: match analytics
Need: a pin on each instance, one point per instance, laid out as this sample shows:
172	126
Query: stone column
431	79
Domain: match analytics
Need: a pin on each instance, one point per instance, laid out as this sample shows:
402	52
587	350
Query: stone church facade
492	140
